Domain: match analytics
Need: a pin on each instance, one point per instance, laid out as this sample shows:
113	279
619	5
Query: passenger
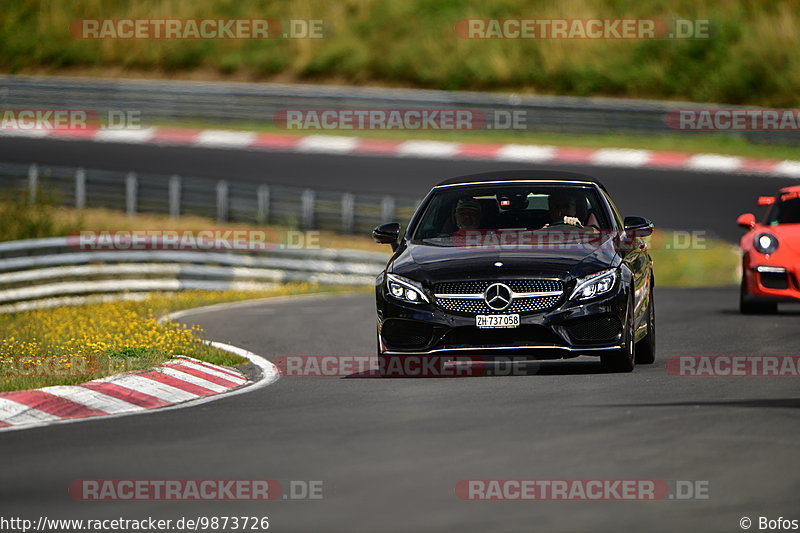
468	213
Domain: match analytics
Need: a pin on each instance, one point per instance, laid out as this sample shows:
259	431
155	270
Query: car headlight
594	284
405	289
765	243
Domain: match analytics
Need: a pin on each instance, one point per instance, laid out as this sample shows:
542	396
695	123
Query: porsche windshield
786	211
502	208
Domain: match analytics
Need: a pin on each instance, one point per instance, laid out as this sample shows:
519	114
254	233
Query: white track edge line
245	303
269	375
398	153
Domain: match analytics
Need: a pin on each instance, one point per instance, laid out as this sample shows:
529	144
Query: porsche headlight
595	284
765	243
405	289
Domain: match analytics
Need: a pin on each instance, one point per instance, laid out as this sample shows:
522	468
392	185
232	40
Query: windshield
785	211
503	208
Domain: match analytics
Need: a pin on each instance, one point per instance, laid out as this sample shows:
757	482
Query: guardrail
37	269
224	200
258	103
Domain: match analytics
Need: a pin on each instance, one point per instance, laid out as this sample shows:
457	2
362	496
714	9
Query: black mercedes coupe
530	264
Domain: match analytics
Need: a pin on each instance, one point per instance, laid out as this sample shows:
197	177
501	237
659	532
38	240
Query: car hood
432	264
788	235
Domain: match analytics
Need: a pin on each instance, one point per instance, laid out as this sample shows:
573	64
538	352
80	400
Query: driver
563	210
468	213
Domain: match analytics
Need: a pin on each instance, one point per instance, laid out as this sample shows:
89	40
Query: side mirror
746	221
388	233
766	200
639	226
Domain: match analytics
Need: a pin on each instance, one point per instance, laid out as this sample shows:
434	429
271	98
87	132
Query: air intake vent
774	280
398	333
595	330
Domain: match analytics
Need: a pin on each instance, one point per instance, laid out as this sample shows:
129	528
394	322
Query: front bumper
568	330
770	281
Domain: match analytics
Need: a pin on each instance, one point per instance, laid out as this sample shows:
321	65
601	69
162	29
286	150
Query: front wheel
624	359
646	348
749	307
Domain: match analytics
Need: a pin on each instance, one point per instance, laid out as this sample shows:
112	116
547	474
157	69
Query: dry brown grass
100	219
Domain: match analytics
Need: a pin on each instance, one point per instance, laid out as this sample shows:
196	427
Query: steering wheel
556	224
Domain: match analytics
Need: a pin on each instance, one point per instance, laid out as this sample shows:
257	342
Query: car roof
519	175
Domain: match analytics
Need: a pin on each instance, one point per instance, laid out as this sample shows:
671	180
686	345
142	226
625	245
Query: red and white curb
342	145
180	382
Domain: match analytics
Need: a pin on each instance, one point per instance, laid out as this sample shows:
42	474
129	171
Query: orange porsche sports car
771	253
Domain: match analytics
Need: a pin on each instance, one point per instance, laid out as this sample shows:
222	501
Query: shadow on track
782	311
488	370
792	403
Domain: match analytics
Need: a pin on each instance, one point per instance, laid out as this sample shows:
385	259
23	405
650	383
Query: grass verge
750	56
19	220
708	263
72	345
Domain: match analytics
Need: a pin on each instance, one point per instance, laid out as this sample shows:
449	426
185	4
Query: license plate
497	321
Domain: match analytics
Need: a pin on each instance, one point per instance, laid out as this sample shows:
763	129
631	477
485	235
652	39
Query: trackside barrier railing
220	102
224	200
36	269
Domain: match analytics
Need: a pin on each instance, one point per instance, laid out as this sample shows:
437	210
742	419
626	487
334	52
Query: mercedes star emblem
497	296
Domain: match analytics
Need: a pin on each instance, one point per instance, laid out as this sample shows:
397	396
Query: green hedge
753	56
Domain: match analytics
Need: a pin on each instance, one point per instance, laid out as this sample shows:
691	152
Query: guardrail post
33	183
387	209
348	212
175	196
80	188
307	209
222	201
262	196
131	193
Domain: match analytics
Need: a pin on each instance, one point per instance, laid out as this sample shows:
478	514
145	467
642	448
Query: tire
625	359
646	348
748	307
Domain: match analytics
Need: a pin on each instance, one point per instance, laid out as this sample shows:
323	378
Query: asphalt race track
678	200
390	451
